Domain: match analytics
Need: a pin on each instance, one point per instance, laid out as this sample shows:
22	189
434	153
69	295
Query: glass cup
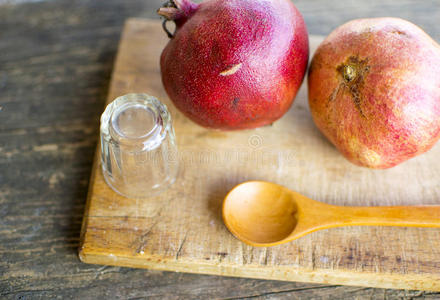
138	146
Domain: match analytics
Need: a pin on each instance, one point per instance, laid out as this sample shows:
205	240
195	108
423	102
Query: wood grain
181	230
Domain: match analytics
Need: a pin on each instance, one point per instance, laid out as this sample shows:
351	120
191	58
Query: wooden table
55	61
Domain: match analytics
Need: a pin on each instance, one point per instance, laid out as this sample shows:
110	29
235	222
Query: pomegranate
234	64
374	91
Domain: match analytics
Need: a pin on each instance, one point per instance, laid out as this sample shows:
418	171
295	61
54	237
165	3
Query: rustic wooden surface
181	230
55	62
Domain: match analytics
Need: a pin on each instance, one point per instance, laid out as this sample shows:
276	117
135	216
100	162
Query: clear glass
138	146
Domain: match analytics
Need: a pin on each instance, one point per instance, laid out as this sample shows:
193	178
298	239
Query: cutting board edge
286	273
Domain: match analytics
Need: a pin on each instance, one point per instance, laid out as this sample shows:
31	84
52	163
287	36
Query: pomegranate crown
177	11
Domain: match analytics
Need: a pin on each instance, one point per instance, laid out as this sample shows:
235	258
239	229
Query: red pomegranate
374	91
234	64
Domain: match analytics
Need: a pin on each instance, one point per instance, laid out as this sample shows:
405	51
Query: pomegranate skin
234	64
374	91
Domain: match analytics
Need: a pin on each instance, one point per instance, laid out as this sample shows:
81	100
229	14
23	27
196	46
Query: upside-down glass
138	147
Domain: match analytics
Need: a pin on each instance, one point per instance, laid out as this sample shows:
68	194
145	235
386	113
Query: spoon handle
417	216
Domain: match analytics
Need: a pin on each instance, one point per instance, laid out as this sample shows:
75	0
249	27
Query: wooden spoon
266	214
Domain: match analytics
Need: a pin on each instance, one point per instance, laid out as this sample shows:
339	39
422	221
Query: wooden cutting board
181	230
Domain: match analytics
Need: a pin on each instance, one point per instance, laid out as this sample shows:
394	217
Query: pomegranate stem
178	11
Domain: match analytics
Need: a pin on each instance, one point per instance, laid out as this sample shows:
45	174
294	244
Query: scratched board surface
182	230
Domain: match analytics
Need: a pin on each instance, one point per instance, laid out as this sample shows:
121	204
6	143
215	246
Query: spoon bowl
261	213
